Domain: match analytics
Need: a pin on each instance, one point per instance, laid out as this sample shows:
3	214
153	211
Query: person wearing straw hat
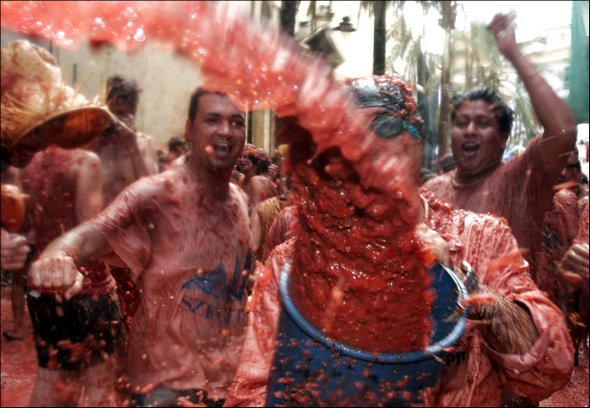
515	338
185	236
43	124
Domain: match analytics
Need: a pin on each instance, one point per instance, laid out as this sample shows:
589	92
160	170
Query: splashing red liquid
378	259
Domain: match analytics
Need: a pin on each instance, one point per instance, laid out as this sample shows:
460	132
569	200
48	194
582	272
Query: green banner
578	72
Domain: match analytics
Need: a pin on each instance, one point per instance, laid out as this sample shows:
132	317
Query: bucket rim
389	358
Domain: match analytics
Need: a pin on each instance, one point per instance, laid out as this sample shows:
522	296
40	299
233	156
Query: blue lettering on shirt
213	284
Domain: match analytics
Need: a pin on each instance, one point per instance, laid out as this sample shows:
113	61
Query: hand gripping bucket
310	369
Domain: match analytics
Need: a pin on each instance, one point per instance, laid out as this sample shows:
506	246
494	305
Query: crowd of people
152	278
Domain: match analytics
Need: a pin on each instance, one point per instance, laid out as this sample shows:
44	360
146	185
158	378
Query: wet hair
193	106
261	164
502	113
122	88
392	94
258	157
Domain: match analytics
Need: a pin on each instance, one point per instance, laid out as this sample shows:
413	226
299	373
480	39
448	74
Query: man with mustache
185	236
516	340
519	190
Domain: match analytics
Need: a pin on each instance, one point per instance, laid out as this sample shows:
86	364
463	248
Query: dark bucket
310	369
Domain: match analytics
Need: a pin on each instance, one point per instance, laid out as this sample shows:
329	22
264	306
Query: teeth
223	147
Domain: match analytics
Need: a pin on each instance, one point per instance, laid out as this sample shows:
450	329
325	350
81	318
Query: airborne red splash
279	75
263	68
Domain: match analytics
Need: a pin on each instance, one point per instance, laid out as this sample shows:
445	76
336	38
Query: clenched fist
502	27
58	273
15	249
574	266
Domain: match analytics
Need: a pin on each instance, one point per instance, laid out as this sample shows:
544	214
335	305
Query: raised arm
559	124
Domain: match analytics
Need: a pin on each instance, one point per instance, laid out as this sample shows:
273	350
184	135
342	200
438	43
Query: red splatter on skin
358	235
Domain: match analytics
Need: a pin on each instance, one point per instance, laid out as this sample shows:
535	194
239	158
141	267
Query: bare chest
117	171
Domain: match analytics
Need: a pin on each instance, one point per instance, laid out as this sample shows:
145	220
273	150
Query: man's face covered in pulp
392	126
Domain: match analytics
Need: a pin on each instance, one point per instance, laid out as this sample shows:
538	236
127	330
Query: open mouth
470	149
223	147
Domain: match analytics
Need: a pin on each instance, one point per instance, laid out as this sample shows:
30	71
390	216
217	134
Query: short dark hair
175	144
502	113
123	88
193	106
261	164
392	94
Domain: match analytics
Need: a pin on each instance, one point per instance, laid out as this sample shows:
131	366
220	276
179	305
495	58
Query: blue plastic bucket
310	369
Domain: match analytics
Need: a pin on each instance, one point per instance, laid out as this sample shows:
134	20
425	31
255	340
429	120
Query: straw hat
39	109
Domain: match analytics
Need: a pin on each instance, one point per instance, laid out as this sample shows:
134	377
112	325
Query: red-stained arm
545	368
559	124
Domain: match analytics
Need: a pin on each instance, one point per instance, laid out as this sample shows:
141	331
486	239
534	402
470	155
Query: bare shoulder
81	159
154	188
144	140
86	156
161	184
239	195
144	137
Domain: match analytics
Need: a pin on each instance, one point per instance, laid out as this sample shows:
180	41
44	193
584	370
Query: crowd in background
107	214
